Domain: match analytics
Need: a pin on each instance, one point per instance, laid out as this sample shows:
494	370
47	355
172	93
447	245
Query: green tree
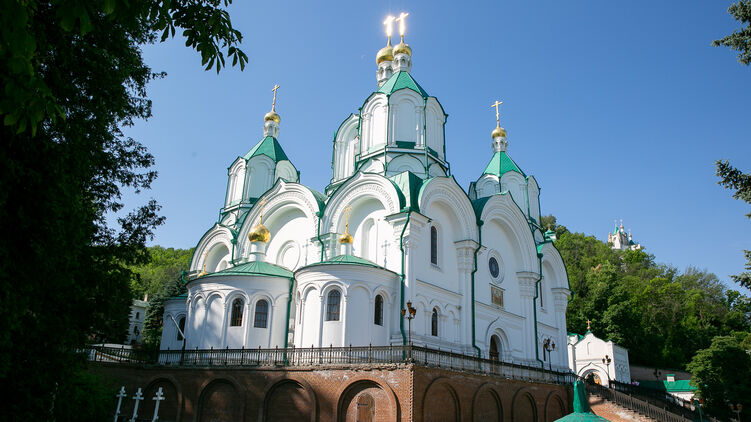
739	40
734	179
152	326
72	76
164	266
722	375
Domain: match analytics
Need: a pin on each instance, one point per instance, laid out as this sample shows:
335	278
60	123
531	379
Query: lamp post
548	346
606	360
737	410
409	313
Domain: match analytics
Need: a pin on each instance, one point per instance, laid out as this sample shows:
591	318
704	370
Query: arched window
433	245
135	330
138	315
237	313
181	324
495	348
262	314
378	317
332	305
434	323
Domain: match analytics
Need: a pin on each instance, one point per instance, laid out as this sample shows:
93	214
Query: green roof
582	411
269	147
501	163
257	268
401	80
182	296
347	260
669	386
410	185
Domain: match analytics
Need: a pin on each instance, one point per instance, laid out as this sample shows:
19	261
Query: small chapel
392	251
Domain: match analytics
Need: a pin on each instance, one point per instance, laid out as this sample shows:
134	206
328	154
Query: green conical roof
269	147
582	412
256	268
401	80
501	163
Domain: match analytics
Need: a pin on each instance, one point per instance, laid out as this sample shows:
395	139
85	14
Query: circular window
495	270
495	267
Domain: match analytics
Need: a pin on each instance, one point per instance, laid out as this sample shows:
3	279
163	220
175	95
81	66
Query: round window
494	267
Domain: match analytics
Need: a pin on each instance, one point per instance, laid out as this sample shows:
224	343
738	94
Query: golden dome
403	48
346	238
272	115
386	54
498	132
259	234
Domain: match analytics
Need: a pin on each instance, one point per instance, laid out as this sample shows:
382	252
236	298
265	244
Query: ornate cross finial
389	22
589	325
348	212
262	204
273	102
402	24
497	104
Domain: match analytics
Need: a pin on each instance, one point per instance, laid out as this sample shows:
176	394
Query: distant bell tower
619	239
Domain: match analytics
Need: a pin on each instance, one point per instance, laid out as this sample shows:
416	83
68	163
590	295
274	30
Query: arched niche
170	407
236	182
486	404
374	120
440	402
502	213
345	148
220	400
289	400
435	120
367	400
446	193
554	407
216	243
406	108
363	192
406	162
260	175
523	407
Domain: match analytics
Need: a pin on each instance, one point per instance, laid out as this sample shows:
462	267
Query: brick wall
367	393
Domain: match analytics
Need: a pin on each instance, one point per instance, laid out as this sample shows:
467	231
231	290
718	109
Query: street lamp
548	346
409	313
606	360
737	410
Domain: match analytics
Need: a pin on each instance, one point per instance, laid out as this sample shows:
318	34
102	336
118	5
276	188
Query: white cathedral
287	266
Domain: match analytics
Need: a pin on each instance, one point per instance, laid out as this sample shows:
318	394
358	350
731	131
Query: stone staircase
614	412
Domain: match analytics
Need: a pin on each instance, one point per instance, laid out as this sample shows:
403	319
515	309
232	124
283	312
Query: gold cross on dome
389	22
262	203
347	211
497	111
402	23
273	103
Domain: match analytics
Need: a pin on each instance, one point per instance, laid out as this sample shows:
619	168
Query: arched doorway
495	348
593	378
365	408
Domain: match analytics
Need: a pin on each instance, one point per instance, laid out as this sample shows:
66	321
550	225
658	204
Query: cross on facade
402	23
137	397
119	396
158	397
347	211
497	111
273	103
385	251
262	202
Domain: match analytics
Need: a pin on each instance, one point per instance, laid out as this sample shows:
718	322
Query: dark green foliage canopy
72	76
722	375
660	315
740	40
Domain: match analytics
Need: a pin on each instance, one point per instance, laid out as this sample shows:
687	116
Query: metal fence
638	405
328	357
657	397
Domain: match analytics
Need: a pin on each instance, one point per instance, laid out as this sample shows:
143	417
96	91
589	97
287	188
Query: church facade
393	250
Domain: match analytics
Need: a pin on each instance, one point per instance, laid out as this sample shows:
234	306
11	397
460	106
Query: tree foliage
72	76
662	316
739	40
734	179
160	279
722	375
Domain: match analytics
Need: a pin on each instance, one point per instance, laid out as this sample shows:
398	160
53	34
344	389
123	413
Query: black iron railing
637	404
329	356
659	398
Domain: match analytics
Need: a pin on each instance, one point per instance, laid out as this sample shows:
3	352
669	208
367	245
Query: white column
560	302
527	281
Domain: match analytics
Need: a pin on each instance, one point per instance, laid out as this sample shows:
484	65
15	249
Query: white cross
385	251
119	396
138	397
158	397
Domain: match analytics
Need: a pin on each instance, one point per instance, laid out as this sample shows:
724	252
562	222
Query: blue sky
619	109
